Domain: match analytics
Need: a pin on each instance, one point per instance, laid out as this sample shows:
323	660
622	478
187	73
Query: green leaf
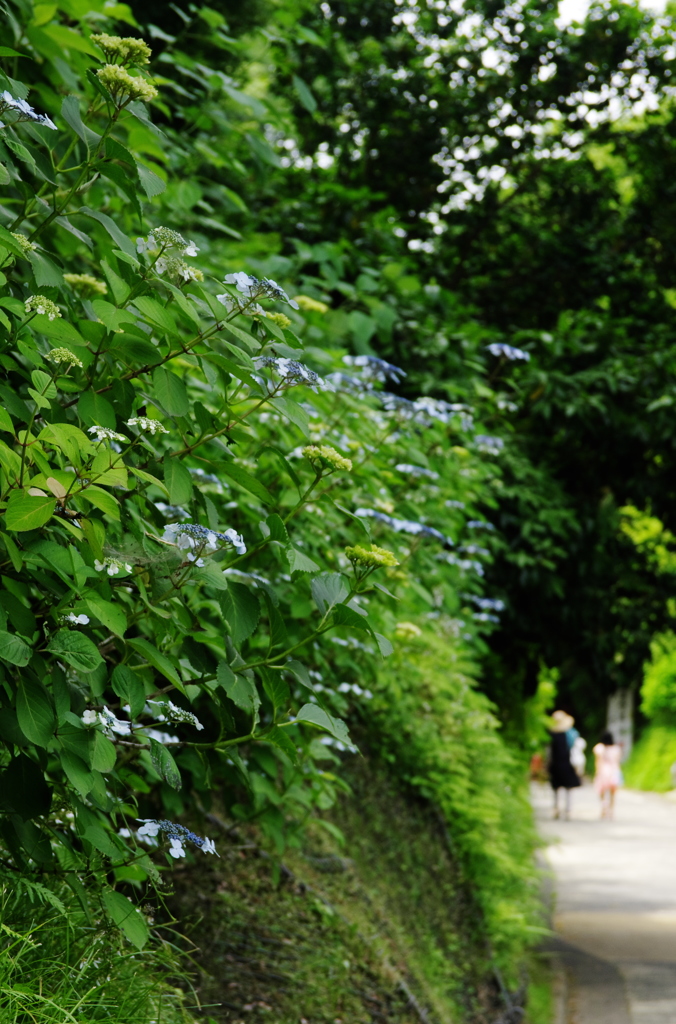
127	918
46	274
13	649
7	51
102	841
34	712
70	111
251	344
241	610
384	645
77	773
27	512
329	589
76	649
281	739
294	412
247	481
102	753
10	243
113	318
112	616
164	764
317	716
111	227
170	392
129	688
277	529
94	410
304	94
211	575
152	310
298	562
102	500
345	616
276	688
157	660
178	481
242	691
151	182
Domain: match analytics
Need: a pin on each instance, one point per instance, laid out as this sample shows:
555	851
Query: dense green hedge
216	522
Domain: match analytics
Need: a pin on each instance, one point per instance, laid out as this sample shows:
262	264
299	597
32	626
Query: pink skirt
607	777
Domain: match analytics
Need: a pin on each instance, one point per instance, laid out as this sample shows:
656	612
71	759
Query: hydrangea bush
210	532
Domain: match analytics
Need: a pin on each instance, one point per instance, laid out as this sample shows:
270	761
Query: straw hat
561	721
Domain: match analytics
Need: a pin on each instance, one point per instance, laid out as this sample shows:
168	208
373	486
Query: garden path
614	910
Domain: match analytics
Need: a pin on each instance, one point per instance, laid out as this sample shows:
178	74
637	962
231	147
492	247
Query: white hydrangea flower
90	718
144	423
77	620
106	434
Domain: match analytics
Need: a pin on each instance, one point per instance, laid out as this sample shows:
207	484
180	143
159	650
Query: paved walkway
615	906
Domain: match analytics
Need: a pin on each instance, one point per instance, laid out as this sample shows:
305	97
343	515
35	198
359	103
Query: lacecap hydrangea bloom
25	111
42	305
497	348
173	713
177	835
320	454
105	433
85	285
123	87
121	50
24	243
371	558
254	288
162	239
64	355
189	536
112	566
144	423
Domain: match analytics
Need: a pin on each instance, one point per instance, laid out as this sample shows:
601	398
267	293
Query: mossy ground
382	930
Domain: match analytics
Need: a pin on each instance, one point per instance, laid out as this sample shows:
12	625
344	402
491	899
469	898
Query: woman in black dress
562	775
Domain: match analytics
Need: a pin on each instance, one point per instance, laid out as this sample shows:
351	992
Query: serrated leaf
281	739
25	512
75	649
151	182
164	764
241	610
102	500
298	562
170	392
276	688
329	589
242	691
157	660
384	645
179	482
112	616
317	716
13	649
154	311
